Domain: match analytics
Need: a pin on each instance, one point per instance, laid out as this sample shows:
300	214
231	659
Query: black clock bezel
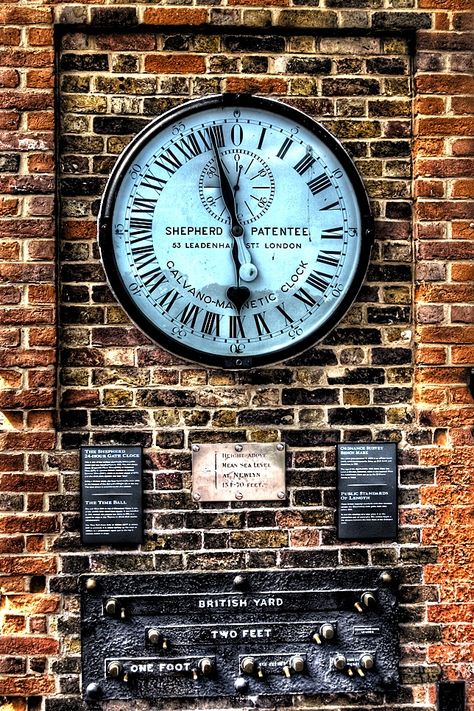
105	234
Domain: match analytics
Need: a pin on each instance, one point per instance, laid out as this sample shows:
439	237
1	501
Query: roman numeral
152	182
169	299
307	299
218	134
331	206
211	323
189	146
154	275
333	233
261	324
236	327
320	183
285	314
189	315
146	205
262	138
168	161
317	281
140	229
325	258
284	148
304	164
139	254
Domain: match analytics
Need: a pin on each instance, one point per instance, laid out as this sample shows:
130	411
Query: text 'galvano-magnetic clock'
235	231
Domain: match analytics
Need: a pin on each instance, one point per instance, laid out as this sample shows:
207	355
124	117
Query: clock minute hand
241	256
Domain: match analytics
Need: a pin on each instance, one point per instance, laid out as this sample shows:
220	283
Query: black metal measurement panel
227	634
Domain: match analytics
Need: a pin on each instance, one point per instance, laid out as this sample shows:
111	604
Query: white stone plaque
239	472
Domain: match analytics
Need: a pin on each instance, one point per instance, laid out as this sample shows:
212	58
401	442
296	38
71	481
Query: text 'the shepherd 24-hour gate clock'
235	231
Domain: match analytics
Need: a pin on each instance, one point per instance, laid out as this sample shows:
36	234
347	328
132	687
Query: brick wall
392	81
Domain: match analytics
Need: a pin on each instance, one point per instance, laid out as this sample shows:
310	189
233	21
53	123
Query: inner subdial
252	182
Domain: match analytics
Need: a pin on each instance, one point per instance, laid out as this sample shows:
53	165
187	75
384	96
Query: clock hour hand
241	256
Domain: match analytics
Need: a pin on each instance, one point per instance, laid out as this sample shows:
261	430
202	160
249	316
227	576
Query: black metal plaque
224	634
367	491
111	495
451	696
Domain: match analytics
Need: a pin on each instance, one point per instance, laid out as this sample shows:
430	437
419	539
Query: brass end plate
239	472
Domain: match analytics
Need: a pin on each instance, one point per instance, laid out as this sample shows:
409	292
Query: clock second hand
245	270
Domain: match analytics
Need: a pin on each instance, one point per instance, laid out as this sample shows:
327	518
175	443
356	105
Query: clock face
235	231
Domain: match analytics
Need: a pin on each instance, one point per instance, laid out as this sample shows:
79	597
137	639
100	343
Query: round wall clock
235	231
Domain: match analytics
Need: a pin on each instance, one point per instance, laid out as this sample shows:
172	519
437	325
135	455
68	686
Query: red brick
431	355
12	544
28	58
462	314
11	378
24	316
44	336
40	79
9	337
41	120
10	36
462	104
29	524
462	230
40	420
27	440
463	147
447	293
25	16
445	4
9	120
40	36
174	64
462	189
430	105
8	206
9	78
462	355
442	126
28	565
136	42
28	482
41	250
429	188
27	686
265	85
445	168
446	250
9	251
25	357
175	16
444	84
462	272
446	376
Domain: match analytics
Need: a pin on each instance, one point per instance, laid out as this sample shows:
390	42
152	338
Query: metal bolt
196	448
366	661
248	665
239	495
91	584
280	447
339	662
111	607
327	631
238	447
93	691
386	577
196	497
297	663
281	495
114	670
205	665
241	684
154	636
239	582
